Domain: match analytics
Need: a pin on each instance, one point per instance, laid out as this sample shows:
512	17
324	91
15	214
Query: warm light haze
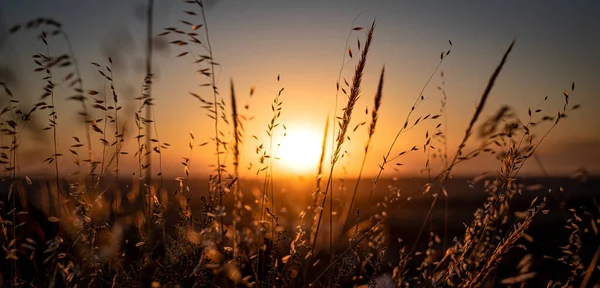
299	143
304	42
300	150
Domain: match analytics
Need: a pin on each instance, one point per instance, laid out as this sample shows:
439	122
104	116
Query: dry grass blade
482	101
354	94
376	105
345	123
323	150
316	196
591	267
500	250
374	117
236	135
403	128
236	160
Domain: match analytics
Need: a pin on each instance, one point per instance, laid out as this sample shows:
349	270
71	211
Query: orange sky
304	42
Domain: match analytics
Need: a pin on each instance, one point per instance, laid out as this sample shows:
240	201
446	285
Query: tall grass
232	236
341	137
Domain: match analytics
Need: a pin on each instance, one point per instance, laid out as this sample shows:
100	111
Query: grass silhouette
89	229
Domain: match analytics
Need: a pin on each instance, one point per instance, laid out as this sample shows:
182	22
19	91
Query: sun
300	149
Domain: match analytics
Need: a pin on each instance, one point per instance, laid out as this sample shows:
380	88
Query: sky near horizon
557	43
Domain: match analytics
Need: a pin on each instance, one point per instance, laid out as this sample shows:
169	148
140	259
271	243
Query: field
313	211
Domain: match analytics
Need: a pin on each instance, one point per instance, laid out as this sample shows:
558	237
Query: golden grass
85	231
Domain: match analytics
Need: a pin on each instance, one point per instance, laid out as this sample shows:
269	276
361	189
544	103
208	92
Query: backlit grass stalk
443	173
216	114
236	163
148	132
317	194
13	164
468	133
315	197
386	158
81	99
103	139
157	149
444	155
53	117
512	163
494	208
118	142
559	116
337	84
347	52
142	101
17	128
215	94
590	270
118	135
267	157
57	29
344	124
478	110
500	251
374	117
143	150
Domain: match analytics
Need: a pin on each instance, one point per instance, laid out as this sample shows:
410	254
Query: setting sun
301	149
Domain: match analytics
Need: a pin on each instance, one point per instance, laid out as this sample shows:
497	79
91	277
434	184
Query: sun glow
300	149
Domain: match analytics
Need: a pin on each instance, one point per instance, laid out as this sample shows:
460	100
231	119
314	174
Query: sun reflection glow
300	149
